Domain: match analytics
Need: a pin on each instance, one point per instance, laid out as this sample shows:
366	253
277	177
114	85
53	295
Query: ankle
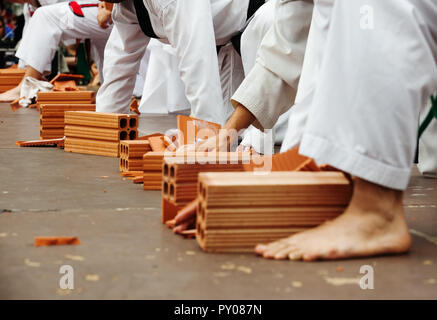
370	198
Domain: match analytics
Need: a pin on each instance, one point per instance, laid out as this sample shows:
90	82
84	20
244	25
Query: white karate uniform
28	11
193	28
292	23
141	74
270	87
54	23
164	91
310	72
250	43
428	146
361	90
371	86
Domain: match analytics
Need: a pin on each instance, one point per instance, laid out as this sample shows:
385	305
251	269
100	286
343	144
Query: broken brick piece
65	86
132	174
157	144
138	180
149	136
55	241
66	77
42	143
168	210
134	106
190	127
15	105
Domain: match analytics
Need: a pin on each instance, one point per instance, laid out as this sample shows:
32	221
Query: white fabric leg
310	72
372	84
141	75
51	24
27	8
123	53
255	31
98	53
163	90
231	75
428	146
250	42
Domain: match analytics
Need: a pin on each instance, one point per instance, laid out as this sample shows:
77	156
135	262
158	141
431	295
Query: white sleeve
269	90
189	28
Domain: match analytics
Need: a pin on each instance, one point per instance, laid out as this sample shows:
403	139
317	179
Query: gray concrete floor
127	254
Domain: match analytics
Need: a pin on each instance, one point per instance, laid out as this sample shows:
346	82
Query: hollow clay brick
89	146
52	116
10	78
66	96
95	133
182	177
97	119
238	210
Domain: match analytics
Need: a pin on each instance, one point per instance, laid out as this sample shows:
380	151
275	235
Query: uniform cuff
265	95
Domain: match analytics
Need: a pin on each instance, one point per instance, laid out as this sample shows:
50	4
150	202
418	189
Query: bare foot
373	224
10	95
14	93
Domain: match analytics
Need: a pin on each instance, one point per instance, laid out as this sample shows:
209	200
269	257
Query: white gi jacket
270	88
194	28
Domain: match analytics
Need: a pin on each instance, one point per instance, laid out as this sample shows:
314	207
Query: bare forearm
240	119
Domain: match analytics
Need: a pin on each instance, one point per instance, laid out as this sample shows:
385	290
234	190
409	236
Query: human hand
104	16
186	217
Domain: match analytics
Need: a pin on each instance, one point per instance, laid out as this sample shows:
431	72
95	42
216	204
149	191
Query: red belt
77	8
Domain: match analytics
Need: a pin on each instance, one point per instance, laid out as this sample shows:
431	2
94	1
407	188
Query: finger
187	212
185	226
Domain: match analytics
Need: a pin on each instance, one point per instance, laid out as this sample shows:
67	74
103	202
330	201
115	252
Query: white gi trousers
54	23
141	74
28	10
378	68
164	90
428	146
250	43
270	88
310	72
